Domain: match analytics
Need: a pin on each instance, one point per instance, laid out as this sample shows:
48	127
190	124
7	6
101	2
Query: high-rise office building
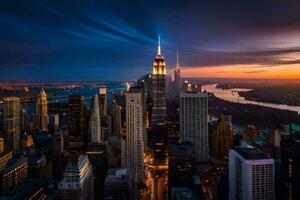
117	185
31	189
5	156
77	124
56	122
42	119
176	75
77	183
220	138
58	154
11	121
182	165
145	82
159	108
134	136
290	164
14	173
228	119
23	120
98	157
103	100
95	122
250	134
251	174
194	122
116	117
123	151
26	140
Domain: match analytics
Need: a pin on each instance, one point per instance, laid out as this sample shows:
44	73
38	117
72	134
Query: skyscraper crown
159	65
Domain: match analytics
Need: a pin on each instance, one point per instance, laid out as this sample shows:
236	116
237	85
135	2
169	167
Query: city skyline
88	40
149	100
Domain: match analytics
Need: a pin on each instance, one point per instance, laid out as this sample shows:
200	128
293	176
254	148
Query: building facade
290	163
182	165
77	124
251	175
250	134
117	185
159	106
14	173
77	182
42	119
95	122
116	117
134	137
98	157
220	139
176	75
11	121
5	156
194	122
103	100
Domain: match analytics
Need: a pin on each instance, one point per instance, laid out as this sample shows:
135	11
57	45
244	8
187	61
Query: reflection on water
232	95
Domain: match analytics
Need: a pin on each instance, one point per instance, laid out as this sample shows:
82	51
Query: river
232	95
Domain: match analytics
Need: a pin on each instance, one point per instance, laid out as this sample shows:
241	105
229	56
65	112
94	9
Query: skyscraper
77	124
117	185
56	122
77	183
103	100
176	75
182	165
193	122
14	173
5	156
250	134
159	109
134	136
146	83
251	175
220	138
95	122
11	121
98	157
116	118
42	119
290	163
23	120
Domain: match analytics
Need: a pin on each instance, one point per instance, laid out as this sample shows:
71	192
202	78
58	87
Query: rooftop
14	162
114	175
23	190
251	153
193	94
185	147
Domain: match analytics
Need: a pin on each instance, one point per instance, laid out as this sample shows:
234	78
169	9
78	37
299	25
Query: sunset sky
112	39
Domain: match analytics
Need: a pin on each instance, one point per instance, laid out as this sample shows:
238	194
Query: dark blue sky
116	39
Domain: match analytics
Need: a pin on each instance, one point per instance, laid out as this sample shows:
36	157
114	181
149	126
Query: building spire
158	47
177	61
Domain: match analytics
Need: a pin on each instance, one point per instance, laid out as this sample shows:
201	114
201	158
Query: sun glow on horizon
244	71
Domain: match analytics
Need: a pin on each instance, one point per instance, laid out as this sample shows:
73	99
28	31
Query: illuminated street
156	178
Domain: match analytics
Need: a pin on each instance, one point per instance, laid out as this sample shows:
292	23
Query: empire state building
159	109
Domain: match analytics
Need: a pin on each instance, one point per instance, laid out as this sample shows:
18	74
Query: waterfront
232	95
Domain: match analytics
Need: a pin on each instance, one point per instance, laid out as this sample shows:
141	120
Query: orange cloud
244	71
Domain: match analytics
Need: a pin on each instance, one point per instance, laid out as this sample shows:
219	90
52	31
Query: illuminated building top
159	65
